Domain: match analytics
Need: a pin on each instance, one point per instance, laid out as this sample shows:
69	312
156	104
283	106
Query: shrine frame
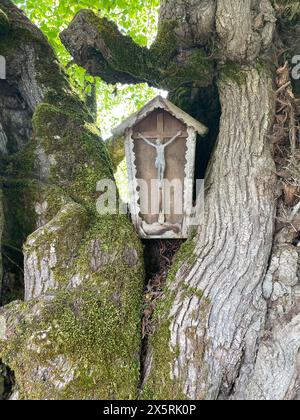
193	127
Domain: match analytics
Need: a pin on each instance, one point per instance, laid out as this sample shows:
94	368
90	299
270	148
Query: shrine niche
160	147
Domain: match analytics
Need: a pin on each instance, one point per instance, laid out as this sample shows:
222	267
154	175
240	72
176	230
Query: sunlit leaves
134	17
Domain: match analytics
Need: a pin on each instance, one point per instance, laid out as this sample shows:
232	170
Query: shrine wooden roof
160	103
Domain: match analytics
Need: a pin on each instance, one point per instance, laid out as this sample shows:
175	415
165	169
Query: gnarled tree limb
97	45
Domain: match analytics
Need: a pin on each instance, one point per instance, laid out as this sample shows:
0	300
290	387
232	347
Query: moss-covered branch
97	45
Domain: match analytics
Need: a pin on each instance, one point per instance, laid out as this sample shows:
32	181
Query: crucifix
160	159
160	146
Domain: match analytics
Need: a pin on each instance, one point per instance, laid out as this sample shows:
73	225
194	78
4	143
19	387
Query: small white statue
160	161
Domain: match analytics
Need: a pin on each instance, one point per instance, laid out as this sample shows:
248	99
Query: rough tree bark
228	326
232	250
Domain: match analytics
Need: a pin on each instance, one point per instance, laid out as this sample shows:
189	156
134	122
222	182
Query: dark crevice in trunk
158	256
228	388
296	241
13	278
204	105
15	118
208	112
7	382
15	132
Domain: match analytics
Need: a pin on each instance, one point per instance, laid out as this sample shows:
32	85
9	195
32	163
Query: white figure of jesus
160	161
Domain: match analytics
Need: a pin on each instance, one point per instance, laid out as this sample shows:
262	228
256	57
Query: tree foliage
137	18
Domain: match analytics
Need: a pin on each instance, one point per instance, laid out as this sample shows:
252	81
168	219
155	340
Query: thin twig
13	262
12	247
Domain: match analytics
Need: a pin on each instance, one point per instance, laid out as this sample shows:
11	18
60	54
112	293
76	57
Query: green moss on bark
197	70
129	58
233	72
118	57
116	150
96	327
160	385
165	46
184	257
20	220
78	158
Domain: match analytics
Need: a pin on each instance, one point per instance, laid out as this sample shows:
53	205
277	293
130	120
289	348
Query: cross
159	132
160	163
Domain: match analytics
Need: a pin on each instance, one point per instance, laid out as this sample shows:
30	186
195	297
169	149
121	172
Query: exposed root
286	140
287	126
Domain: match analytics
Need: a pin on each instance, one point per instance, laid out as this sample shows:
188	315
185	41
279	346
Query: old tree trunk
228	326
